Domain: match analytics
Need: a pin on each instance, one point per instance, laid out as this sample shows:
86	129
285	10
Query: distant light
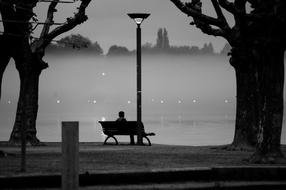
103	74
103	119
179	101
162	101
194	101
226	101
58	101
152	100
92	101
129	102
9	102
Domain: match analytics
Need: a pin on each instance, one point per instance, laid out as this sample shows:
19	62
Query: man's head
121	114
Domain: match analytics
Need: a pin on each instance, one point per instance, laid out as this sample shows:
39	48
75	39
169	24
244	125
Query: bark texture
258	40
270	104
4	60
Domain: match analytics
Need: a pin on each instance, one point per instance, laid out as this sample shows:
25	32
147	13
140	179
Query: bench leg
149	142
105	142
132	142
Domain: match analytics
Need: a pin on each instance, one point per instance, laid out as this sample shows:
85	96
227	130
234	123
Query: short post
70	155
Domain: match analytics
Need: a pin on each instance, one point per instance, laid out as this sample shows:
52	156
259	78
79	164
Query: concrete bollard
70	155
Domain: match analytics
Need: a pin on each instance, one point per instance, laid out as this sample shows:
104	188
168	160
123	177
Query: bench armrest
150	134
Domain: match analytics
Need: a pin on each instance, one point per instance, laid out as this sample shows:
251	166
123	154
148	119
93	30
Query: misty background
187	99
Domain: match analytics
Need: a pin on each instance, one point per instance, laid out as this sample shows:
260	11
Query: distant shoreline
77	52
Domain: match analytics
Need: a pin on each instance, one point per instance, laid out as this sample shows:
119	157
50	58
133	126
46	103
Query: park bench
112	128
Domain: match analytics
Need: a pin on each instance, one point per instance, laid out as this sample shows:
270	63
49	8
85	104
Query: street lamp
139	18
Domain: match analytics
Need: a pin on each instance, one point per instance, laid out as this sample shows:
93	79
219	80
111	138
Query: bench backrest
119	127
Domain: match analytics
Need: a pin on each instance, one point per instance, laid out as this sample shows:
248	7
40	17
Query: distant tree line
75	42
162	46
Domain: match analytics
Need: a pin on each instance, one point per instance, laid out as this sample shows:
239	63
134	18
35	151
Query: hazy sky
108	23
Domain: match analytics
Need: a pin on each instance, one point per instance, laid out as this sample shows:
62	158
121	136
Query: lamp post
139	18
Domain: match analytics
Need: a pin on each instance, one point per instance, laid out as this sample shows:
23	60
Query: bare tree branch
203	22
207	29
46	1
72	22
220	15
253	3
241	5
195	14
237	8
227	6
50	18
37	44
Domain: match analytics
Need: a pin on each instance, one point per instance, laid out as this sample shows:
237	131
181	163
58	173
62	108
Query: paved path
266	177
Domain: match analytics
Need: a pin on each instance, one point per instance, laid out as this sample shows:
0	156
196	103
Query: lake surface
186	100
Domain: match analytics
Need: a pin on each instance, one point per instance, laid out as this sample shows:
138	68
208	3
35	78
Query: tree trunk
28	58
270	102
27	107
245	128
4	60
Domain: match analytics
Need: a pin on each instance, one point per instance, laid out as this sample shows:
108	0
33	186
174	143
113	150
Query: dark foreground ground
97	158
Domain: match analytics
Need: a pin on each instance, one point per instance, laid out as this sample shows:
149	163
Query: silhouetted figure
121	118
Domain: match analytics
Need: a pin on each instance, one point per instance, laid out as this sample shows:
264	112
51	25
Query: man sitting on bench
121	118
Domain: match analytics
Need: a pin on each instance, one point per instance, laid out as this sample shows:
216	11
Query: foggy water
186	100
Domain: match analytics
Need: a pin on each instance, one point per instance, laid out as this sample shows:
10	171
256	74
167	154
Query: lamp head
138	17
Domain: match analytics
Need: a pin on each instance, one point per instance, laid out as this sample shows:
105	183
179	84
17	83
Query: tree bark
259	52
245	125
245	128
26	114
270	85
28	105
4	60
